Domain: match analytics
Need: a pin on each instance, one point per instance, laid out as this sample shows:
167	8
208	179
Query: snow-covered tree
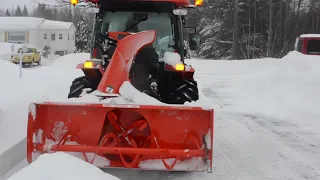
25	11
7	13
210	33
18	11
82	34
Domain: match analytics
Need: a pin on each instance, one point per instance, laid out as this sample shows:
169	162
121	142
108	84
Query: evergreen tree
82	34
25	11
7	13
18	11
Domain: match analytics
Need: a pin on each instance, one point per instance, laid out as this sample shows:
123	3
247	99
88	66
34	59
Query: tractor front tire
81	83
184	91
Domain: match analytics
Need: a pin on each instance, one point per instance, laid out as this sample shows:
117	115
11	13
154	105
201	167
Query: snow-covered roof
21	23
24	23
57	25
310	35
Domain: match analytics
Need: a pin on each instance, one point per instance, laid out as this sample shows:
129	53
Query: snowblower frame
126	136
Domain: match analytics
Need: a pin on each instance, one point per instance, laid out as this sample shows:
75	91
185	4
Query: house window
68	36
17	37
53	37
60	36
45	36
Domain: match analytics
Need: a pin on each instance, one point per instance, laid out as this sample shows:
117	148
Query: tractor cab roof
175	2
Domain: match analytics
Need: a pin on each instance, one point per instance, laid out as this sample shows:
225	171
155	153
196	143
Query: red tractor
140	42
308	44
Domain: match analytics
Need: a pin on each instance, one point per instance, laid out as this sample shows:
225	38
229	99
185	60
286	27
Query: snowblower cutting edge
166	136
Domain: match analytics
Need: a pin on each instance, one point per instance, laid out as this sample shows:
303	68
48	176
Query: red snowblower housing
141	45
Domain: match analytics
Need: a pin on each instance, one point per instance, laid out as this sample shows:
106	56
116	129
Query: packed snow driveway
266	120
266	125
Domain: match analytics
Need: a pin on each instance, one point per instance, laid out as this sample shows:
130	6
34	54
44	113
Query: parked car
28	58
308	44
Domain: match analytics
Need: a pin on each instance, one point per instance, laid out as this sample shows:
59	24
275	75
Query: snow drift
16	94
284	88
61	166
70	61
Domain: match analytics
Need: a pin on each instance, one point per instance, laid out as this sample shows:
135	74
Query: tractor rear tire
81	83
184	91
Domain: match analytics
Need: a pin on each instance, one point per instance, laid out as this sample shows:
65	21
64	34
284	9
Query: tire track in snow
256	154
260	147
304	156
252	168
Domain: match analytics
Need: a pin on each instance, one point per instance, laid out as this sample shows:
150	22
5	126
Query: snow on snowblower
137	53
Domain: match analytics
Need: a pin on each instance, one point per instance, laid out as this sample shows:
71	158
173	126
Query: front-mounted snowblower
140	43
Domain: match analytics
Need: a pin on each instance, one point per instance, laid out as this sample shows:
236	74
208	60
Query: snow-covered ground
61	166
45	82
266	121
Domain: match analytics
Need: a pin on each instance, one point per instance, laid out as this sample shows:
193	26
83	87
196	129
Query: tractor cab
166	17
308	44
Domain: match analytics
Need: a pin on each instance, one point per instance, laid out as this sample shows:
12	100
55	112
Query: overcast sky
14	3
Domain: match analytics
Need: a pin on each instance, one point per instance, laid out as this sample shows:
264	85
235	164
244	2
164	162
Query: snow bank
61	166
70	61
283	88
48	83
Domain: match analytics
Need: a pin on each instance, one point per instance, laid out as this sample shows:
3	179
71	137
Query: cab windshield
160	22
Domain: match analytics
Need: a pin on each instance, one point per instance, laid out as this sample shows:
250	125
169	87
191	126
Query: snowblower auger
126	49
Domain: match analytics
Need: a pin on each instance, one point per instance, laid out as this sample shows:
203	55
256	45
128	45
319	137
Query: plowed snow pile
61	166
284	88
70	61
35	84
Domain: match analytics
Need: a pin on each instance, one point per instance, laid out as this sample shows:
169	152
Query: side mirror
194	41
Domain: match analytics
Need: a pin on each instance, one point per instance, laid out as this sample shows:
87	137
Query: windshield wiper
133	25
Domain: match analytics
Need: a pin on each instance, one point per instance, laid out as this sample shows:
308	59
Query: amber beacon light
74	2
198	2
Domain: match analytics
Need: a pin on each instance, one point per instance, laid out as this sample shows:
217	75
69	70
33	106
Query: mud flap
173	138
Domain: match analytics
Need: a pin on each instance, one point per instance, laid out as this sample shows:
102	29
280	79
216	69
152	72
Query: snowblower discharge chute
134	44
